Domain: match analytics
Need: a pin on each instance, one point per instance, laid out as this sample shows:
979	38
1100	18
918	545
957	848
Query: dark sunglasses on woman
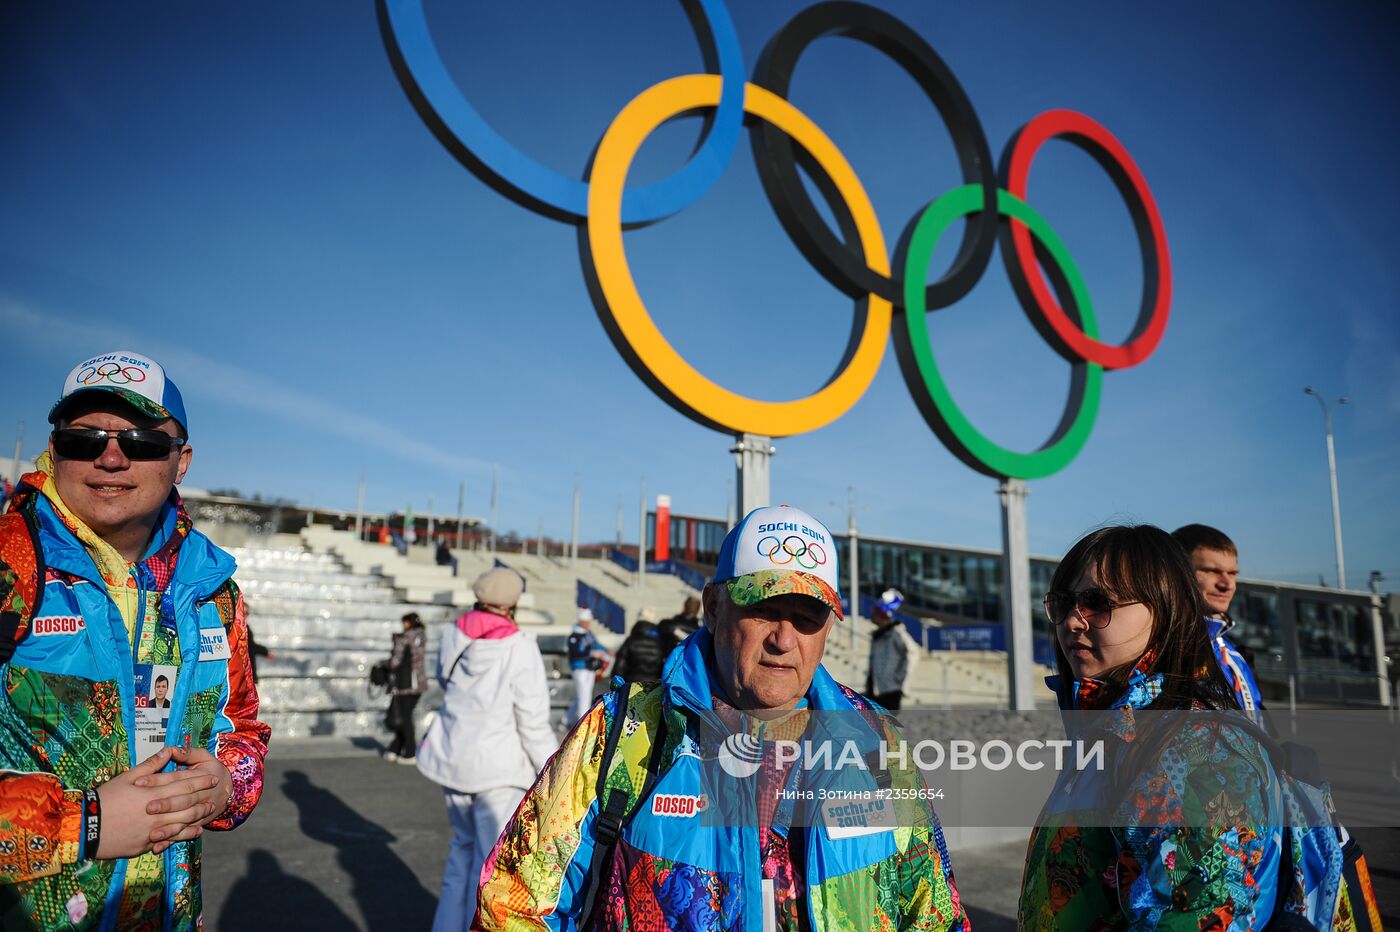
84	443
1094	604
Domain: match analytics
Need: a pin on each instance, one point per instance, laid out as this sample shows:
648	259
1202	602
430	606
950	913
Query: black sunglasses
85	443
1095	606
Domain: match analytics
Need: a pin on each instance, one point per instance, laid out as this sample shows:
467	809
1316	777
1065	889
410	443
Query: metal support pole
642	535
1016	592
461	503
619	522
19	449
573	540
853	561
539	540
1378	651
752	456
1293	703
495	481
1332	479
431	523
1336	508
360	508
729	504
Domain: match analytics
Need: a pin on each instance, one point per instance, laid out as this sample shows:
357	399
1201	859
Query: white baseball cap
780	550
138	380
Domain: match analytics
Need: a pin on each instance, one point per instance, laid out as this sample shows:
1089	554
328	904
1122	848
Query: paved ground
343	840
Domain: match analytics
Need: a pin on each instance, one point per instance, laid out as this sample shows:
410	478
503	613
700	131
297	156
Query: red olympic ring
1063	333
97	374
805	549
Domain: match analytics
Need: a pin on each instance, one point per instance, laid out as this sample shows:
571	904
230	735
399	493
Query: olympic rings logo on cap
112	372
857	260
809	556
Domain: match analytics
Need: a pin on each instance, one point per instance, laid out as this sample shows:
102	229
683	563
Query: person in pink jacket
491	737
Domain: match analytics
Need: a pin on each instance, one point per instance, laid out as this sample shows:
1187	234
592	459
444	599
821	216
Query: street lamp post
1332	475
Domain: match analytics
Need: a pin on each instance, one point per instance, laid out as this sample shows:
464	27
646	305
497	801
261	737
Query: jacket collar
176	551
1216	627
1088	693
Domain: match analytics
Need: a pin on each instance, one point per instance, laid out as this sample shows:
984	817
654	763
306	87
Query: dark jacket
674	630
640	657
406	663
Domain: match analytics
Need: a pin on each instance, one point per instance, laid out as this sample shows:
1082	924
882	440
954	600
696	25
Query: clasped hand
146	810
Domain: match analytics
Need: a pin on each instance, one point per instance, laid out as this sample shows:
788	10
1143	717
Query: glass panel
1258	631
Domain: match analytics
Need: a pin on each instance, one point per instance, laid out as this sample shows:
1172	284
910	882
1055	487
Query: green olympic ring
915	351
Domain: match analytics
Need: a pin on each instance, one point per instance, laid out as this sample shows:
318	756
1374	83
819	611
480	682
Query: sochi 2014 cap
138	380
779	550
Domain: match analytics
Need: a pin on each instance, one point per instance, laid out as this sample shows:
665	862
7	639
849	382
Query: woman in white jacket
490	738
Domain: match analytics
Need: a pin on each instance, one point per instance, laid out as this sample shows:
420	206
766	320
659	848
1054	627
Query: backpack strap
614	814
21	579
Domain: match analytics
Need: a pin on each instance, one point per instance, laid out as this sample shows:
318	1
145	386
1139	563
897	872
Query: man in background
1216	563
679	627
586	660
892	653
640	658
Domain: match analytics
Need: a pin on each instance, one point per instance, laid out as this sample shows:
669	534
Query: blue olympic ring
806	550
413	51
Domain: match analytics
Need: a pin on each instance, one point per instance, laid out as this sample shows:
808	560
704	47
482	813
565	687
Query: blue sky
245	192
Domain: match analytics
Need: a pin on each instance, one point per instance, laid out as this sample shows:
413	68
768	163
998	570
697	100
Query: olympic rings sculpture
854	257
806	554
101	373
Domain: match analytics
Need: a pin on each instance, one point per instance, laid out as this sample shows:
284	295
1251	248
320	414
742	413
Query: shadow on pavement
984	921
266	897
387	893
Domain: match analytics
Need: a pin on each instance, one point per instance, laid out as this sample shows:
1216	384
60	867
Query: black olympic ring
777	160
97	374
803	549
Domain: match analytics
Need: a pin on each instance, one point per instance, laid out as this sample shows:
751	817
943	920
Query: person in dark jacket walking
640	657
410	680
679	627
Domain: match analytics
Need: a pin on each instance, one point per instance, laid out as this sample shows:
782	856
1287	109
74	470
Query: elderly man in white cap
650	817
491	737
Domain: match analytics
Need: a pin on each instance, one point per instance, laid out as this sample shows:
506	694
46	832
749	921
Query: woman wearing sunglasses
1174	832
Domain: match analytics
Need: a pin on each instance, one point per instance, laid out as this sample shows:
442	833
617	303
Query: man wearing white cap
586	659
648	818
129	722
491	737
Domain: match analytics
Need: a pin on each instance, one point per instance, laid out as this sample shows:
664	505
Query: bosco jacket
68	715
670	868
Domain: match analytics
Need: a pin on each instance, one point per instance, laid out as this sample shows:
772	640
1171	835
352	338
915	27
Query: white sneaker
390	756
412	762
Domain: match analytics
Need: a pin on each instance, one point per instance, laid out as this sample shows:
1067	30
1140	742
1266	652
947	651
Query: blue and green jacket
693	855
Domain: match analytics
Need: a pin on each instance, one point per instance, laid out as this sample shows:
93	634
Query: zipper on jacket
145	580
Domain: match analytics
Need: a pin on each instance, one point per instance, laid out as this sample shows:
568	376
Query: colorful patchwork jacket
1192	840
68	710
674	869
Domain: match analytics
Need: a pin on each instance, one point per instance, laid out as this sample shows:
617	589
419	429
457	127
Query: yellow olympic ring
676	377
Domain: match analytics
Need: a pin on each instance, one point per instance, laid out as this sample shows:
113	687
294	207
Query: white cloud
229	384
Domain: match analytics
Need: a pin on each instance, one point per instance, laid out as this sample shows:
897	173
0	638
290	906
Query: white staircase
328	605
326	624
